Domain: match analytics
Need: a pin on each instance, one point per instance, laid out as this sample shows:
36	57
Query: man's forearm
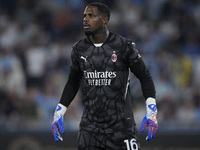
71	88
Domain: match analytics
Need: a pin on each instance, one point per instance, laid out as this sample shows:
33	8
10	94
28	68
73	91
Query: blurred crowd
36	37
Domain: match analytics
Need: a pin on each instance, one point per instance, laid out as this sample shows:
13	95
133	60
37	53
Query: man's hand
150	120
57	124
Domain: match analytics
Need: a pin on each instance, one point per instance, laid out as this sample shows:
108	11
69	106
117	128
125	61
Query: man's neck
100	37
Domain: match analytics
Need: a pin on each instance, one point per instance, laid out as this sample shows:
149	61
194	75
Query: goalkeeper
107	122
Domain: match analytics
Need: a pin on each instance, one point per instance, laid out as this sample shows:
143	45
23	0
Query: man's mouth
86	26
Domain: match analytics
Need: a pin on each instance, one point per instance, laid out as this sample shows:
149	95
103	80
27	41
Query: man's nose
85	19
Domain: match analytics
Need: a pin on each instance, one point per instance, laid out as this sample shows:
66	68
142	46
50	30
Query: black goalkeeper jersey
105	71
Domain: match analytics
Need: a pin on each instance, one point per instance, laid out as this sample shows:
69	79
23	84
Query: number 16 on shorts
131	144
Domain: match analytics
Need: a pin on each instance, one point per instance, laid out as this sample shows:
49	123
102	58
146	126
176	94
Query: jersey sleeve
72	86
74	60
138	67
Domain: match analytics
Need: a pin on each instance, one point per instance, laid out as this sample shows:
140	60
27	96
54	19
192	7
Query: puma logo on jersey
84	58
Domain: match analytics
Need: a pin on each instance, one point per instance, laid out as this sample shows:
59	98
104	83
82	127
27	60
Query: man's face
93	21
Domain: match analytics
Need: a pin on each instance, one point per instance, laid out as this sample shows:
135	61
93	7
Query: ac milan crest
114	57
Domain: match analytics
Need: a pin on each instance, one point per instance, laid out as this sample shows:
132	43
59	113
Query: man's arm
142	73
140	70
70	90
148	89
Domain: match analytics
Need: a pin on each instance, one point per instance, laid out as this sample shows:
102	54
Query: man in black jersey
103	61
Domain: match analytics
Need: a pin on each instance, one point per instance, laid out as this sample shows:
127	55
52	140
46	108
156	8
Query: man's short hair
102	8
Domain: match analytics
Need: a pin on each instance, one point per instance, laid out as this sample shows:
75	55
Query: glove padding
57	126
150	122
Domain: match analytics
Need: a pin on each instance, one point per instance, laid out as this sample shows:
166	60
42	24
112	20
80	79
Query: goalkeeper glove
57	124
150	120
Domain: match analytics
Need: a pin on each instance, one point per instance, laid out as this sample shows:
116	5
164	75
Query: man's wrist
61	109
151	105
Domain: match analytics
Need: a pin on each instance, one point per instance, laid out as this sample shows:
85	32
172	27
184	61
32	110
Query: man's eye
91	15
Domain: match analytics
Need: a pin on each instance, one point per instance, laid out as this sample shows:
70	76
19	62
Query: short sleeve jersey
105	69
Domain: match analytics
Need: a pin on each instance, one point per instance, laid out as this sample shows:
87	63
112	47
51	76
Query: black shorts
123	140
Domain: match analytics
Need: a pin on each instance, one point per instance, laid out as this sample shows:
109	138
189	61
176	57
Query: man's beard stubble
88	33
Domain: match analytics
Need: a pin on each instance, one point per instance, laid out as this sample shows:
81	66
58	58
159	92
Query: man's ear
105	19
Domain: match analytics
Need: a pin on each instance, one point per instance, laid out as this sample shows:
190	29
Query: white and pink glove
57	124
150	120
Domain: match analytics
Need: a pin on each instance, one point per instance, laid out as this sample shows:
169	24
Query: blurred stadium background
36	37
